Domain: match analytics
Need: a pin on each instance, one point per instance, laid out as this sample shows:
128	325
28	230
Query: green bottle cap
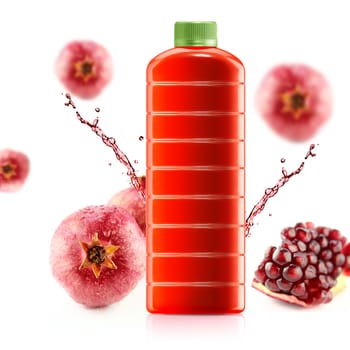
196	34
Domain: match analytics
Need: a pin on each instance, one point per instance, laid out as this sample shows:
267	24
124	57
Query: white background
69	165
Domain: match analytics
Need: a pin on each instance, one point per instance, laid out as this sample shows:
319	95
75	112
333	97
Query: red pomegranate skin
346	252
114	227
14	170
84	67
295	100
132	201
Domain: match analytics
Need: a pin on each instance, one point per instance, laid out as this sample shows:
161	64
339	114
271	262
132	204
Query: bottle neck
195	47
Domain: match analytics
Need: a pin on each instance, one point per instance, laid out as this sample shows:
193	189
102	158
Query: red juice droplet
272	191
141	138
110	142
97	109
283	160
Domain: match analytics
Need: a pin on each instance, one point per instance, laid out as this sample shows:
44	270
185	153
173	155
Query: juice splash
110	142
272	191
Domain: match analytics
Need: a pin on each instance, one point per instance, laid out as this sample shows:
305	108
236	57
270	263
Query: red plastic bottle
195	187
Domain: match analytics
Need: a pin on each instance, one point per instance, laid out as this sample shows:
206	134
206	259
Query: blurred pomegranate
84	67
131	200
295	100
98	255
14	170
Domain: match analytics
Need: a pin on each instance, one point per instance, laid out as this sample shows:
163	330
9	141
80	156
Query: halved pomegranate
306	268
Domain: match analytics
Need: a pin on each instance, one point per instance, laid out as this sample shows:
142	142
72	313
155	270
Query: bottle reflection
195	326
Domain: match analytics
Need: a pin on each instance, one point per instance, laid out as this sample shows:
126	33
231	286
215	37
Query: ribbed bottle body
195	177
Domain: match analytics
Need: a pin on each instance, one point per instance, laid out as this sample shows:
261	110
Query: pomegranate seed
288	233
272	270
314	233
301	246
323	281
330	267
260	275
300	259
292	273
272	285
322	240
269	251
282	256
310	272
335	246
299	289
312	258
293	248
310	225
326	254
339	259
331	281
284	285
322	267
315	247
303	235
337	271
323	230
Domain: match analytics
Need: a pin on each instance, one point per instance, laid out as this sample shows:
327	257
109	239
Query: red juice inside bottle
195	190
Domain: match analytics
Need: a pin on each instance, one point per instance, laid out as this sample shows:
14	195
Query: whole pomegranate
98	255
131	200
84	67
295	100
